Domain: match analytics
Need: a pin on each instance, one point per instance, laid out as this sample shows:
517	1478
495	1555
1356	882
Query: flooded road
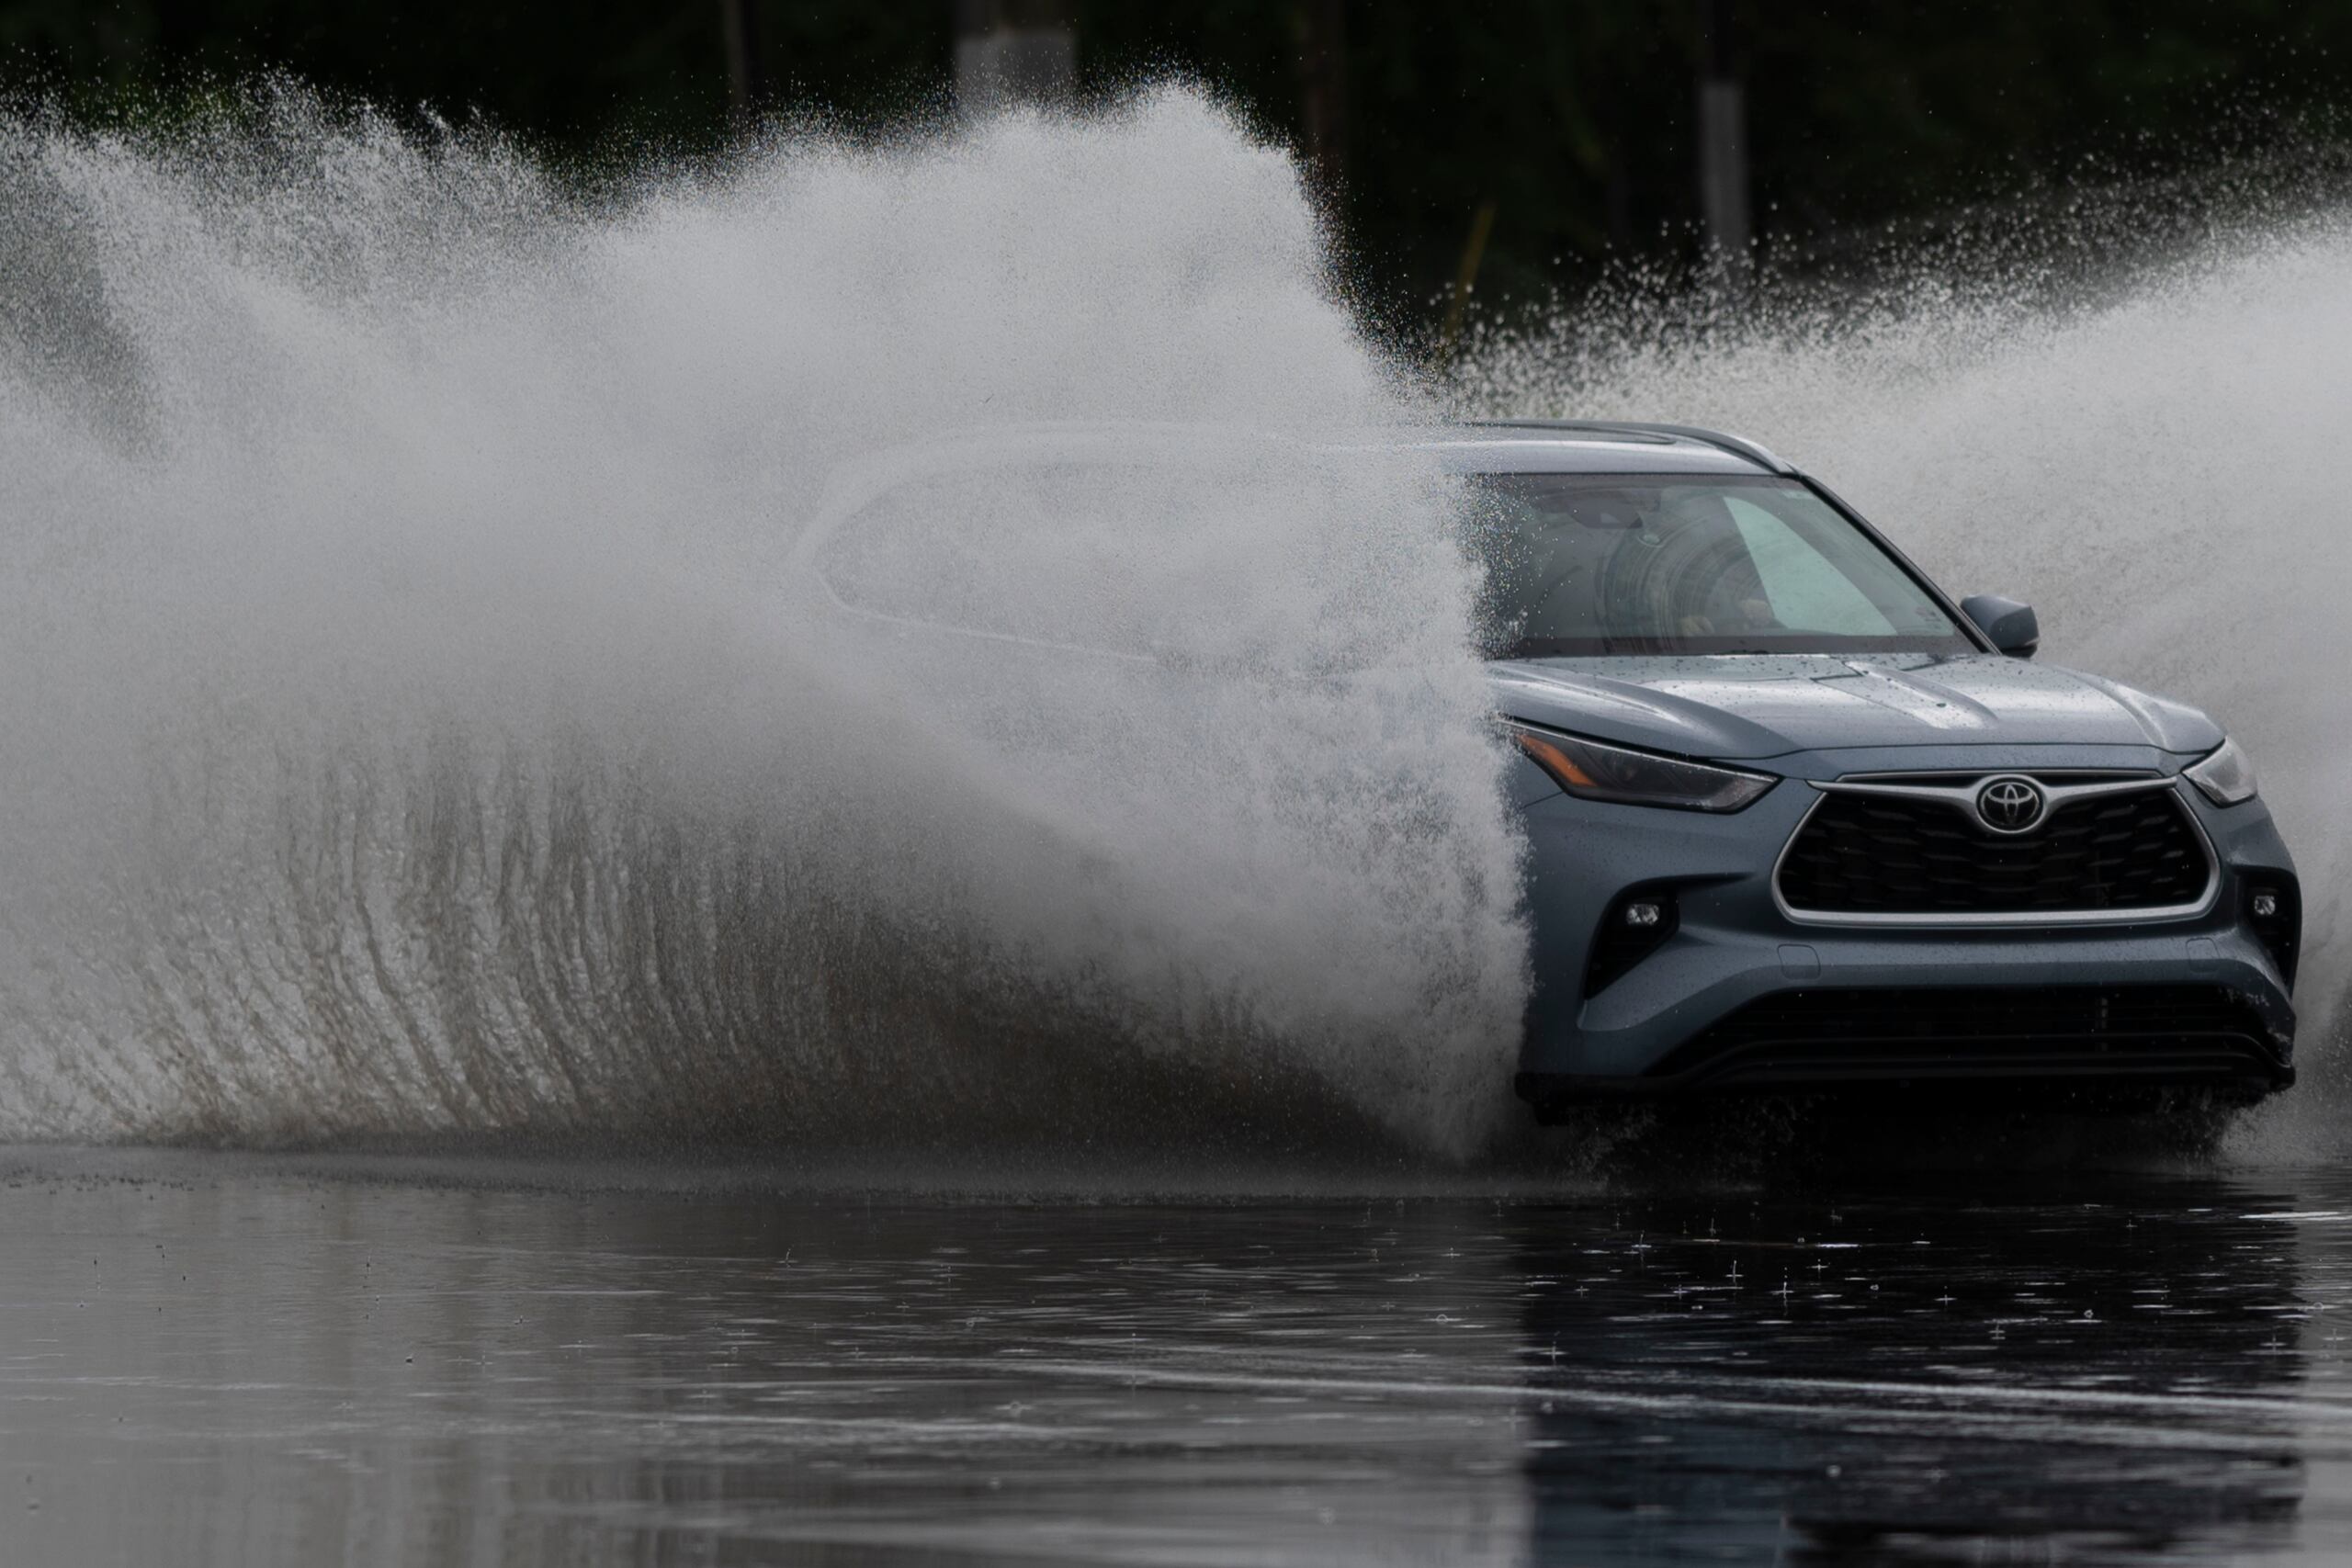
247	1360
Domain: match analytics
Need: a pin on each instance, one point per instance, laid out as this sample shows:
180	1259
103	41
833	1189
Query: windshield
1618	563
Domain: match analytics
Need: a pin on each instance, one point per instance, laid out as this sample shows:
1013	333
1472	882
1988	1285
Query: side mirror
2009	624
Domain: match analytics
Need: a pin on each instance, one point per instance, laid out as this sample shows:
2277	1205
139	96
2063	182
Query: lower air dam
523	1041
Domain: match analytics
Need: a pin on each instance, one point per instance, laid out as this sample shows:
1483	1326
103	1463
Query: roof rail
1737	445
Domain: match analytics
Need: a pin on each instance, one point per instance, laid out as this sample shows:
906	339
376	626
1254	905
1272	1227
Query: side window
1031	552
1807	591
1125	559
905	556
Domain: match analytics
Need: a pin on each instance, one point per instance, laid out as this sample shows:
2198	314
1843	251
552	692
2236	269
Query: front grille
1830	1035
1877	854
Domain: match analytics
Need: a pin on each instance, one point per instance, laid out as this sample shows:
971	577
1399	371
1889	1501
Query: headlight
1594	771
2226	777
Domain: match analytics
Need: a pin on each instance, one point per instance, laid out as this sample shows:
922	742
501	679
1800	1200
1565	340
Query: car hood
1769	704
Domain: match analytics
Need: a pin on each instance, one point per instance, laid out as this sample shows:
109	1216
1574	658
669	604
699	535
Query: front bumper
1741	996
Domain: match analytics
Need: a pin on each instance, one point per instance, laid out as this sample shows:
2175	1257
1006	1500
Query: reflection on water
1907	1376
248	1361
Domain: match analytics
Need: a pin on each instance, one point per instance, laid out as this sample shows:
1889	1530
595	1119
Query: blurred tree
1576	120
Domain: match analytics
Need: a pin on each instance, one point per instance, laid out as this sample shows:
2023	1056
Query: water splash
424	719
420	721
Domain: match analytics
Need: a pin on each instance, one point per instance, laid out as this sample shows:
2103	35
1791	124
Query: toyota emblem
2011	805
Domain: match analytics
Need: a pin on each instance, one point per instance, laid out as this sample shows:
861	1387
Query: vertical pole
975	21
1323	89
1010	52
1722	145
746	85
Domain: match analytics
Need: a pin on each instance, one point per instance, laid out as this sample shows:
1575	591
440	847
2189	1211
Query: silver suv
1801	822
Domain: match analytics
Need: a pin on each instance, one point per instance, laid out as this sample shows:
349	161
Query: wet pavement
241	1360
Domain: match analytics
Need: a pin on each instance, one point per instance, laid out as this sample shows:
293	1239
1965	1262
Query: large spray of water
476	658
424	716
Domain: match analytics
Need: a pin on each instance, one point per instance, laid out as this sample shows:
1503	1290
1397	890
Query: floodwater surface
248	1360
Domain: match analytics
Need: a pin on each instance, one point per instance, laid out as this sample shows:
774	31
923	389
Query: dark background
1574	119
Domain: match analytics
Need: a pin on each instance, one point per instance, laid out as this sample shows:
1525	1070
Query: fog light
2275	911
1637	923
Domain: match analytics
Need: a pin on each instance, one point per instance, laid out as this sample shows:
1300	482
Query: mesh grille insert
1884	854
